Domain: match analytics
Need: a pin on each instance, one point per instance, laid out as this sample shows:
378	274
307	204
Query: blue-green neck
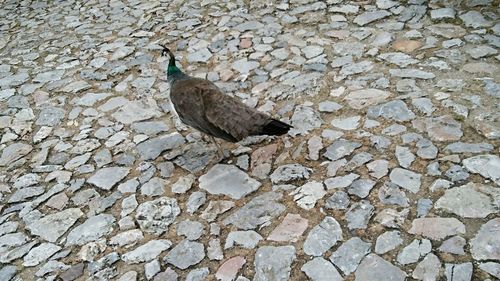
173	69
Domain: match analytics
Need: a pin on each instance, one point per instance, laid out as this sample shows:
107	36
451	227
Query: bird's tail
275	128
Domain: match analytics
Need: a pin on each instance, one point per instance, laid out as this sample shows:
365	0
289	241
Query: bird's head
172	68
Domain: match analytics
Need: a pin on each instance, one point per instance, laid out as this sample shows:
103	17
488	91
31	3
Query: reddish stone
245	43
406	46
290	229
228	270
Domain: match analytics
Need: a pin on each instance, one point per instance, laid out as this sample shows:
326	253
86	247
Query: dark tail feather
275	128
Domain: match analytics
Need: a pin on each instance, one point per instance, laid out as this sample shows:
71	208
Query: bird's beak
165	50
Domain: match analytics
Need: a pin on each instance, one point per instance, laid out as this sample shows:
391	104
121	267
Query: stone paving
391	171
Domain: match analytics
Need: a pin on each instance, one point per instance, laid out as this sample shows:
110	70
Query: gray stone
406	179
373	267
413	252
461	147
201	55
191	229
404	156
246	239
470	201
151	269
92	229
491	268
437	228
150	128
322	237
244	66
273	263
394	110
443	14
108	177
259	211
458	272
340	148
338	201
155	216
290	172
456	173
149	251
7	272
388	241
152	148
389	193
319	269
428	268
306	195
481	52
368	17
40	253
228	180
50	116
359	214
195	201
398	58
304	119
185	254
14	152
486	243
199	274
214	250
348	256
154	187
411	73
183	184
53	226
454	245
424	205
474	19
486	165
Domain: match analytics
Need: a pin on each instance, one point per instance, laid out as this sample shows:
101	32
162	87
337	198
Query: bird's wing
231	115
189	98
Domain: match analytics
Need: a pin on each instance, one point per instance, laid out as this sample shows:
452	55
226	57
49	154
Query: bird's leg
219	148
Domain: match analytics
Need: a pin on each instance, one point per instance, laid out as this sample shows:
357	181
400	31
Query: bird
200	104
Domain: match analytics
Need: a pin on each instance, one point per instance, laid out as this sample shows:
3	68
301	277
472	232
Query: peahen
202	105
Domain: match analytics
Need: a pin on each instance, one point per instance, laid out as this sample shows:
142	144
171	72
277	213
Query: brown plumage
202	105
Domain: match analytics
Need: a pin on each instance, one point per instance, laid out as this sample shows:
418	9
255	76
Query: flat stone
437	228
368	17
195	201
443	128
92	229
406	179
259	211
307	194
322	237
139	110
201	55
40	253
394	110
14	152
246	239
486	243
244	66
340	148
290	172
491	268
152	148
273	263
454	245
349	123
73	273
228	180
126	238
304	119
216	208
106	178
428	268
338	201
185	254
154	187
474	19
481	52
147	252
53	226
404	156
319	269
398	58
359	214
462	147
229	269
348	256
443	14
290	229
406	46
413	252
198	274
183	184
458	272
411	73
191	229
7	272
486	165
388	241
155	216
366	97
470	201
373	267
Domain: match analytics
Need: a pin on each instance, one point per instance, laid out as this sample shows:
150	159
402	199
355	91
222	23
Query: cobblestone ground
391	171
